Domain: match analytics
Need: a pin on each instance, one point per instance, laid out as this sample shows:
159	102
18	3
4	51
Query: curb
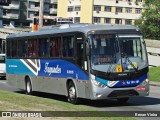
157	84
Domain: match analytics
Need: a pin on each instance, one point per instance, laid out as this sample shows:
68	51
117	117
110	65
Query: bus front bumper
124	92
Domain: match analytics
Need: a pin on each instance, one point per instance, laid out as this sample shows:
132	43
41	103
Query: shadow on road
140	101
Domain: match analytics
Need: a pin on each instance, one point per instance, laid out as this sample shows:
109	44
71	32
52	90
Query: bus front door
80	51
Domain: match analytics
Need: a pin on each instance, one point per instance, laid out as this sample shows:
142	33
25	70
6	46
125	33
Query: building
20	12
101	11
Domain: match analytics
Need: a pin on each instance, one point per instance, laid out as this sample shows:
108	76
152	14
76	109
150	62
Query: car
2	66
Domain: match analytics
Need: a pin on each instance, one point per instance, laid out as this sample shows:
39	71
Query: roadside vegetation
149	22
154	74
10	101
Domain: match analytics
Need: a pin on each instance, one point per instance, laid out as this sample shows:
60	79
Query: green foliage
10	101
149	23
154	73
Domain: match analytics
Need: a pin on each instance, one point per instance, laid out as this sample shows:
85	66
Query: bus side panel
16	72
57	72
11	80
47	75
20	81
83	88
16	80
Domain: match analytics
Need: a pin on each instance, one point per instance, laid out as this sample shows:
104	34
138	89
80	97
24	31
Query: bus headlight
97	83
146	81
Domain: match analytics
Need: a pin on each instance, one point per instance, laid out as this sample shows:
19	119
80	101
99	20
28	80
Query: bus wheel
122	100
72	94
28	87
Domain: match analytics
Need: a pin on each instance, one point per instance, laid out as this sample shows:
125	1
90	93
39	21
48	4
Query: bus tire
123	100
28	89
72	94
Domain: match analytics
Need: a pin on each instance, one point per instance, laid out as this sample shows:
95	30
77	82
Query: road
150	103
154	60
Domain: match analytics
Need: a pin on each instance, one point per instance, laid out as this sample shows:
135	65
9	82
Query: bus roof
69	28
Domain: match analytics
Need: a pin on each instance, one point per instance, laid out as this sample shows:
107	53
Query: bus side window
52	48
43	45
80	51
14	48
32	47
9	48
55	46
22	48
68	46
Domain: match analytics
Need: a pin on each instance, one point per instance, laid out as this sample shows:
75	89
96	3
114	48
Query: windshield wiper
114	58
130	62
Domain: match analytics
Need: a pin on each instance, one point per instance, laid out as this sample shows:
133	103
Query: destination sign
103	36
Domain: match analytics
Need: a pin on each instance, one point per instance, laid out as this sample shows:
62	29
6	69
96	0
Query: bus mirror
87	49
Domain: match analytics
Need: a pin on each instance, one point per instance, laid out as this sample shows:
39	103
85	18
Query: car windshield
111	50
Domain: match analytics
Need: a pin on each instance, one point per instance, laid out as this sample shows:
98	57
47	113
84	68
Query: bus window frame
24	39
74	41
11	56
41	37
8	50
55	36
31	38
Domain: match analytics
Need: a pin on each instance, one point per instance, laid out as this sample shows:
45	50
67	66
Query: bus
50	20
91	61
2	66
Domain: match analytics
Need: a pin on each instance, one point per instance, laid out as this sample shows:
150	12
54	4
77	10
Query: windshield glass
133	52
110	51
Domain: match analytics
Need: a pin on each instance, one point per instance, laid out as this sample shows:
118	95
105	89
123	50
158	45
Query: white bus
2	66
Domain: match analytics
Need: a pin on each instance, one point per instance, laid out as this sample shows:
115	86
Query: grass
154	74
10	101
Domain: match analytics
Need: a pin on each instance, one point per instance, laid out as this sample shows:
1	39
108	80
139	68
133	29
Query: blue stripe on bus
48	68
105	82
15	66
122	83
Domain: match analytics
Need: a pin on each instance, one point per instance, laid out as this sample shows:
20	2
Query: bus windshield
108	51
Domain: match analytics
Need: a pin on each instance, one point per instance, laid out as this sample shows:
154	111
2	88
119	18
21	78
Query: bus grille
123	93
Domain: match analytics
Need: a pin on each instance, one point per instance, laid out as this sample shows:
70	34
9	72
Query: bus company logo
112	83
123	83
51	70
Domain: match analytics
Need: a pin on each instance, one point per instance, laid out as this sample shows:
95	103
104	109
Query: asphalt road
154	60
150	103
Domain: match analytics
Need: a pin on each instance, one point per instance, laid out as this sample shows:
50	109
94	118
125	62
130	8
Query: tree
149	23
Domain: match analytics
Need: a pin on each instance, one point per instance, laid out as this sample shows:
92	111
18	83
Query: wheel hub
72	92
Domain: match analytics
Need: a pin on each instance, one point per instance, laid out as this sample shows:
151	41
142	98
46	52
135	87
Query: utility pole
41	13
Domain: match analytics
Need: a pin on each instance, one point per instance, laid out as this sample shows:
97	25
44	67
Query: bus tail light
141	88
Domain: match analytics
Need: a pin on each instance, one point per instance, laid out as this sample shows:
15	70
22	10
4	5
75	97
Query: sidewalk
155	84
